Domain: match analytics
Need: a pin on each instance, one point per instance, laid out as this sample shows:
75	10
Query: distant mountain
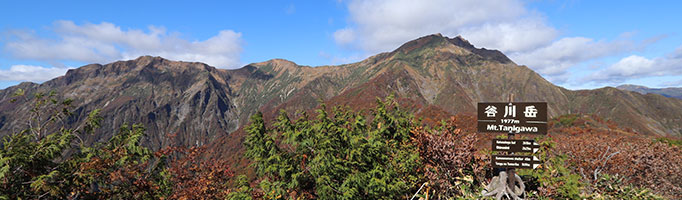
192	100
433	76
674	92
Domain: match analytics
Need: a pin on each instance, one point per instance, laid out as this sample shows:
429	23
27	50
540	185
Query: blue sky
574	44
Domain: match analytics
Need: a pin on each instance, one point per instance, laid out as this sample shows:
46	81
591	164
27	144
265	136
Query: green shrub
668	141
555	179
338	155
567	120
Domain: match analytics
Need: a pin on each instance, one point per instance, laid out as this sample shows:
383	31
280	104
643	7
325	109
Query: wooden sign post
512	118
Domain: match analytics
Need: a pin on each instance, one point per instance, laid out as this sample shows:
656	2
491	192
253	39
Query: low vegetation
336	154
38	164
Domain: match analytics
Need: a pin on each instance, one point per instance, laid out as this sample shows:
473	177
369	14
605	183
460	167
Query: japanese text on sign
514	117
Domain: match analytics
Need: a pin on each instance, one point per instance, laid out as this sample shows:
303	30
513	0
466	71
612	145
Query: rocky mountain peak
160	63
276	65
143	65
429	41
439	41
461	42
483	52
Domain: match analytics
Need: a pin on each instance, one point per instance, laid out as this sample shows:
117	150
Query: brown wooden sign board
515	161
508	145
513	117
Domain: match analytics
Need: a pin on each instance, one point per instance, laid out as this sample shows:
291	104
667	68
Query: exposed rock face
191	99
432	75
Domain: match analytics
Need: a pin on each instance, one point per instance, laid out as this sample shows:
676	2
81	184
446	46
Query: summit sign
513	117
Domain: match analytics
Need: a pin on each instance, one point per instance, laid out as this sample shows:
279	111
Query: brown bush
451	163
642	161
194	177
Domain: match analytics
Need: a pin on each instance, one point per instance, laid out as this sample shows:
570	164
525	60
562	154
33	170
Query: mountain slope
168	97
434	76
450	75
435	70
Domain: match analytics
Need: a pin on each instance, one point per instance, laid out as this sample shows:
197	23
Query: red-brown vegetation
594	147
450	158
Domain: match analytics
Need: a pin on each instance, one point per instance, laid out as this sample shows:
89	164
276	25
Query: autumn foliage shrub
451	164
583	157
194	177
37	163
594	151
118	168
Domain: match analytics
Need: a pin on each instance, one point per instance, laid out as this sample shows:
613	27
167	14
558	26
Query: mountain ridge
674	92
432	75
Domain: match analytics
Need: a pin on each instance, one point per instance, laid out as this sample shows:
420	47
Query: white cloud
517	36
634	66
30	73
557	57
383	25
106	42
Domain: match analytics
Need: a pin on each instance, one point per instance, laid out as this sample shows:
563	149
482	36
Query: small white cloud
634	66
30	73
344	36
106	42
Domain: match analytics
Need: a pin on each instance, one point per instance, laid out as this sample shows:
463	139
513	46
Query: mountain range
674	92
191	103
